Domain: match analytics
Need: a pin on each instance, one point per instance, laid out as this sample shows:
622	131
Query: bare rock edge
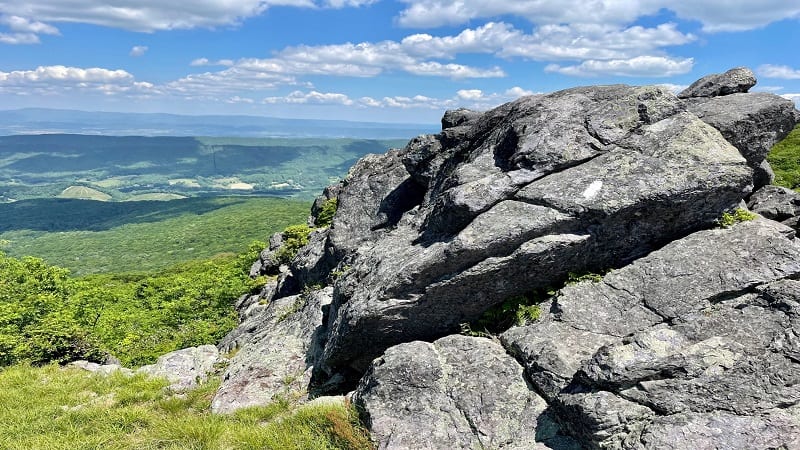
691	341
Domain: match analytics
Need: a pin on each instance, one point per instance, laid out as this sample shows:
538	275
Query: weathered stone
774	430
579	179
753	123
276	353
739	79
457	393
102	369
185	368
777	203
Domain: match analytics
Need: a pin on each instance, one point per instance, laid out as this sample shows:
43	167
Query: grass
97	237
784	158
53	408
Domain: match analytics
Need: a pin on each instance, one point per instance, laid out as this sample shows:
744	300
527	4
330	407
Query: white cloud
206	62
23	31
640	66
715	15
782	72
470	94
474	99
61	80
320	98
19	38
138	50
236	99
154	15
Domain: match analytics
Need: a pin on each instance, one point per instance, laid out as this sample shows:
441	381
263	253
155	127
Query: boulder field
687	336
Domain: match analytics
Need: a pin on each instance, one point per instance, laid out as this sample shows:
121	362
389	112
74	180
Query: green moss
729	219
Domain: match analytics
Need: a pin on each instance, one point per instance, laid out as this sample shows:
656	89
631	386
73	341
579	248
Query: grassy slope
93	237
785	160
54	408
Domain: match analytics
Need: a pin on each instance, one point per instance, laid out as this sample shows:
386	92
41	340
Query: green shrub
47	316
729	219
516	310
294	237
326	213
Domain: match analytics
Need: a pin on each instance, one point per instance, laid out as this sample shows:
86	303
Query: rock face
692	342
777	203
184	368
457	392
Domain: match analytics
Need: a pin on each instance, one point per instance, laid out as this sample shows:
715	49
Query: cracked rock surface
691	341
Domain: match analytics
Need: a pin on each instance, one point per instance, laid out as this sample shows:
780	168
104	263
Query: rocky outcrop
273	351
694	330
577	180
185	368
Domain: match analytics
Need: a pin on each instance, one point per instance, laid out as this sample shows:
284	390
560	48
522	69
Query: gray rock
777	203
185	368
102	369
535	189
739	79
457	393
753	123
277	350
721	430
706	325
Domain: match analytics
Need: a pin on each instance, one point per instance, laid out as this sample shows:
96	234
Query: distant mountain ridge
46	121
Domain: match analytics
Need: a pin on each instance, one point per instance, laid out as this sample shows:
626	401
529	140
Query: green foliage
63	408
729	219
95	237
37	321
574	278
47	316
294	237
326	213
516	310
784	158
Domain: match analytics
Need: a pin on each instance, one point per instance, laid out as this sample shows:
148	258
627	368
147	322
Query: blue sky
377	60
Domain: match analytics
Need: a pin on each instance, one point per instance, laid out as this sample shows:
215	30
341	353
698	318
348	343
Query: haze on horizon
374	60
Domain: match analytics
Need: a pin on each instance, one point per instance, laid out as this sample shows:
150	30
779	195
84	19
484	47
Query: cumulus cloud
138	50
782	72
640	66
57	80
320	98
715	15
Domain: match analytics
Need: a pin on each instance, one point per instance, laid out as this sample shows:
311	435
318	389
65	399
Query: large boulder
185	368
753	123
737	80
458	393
